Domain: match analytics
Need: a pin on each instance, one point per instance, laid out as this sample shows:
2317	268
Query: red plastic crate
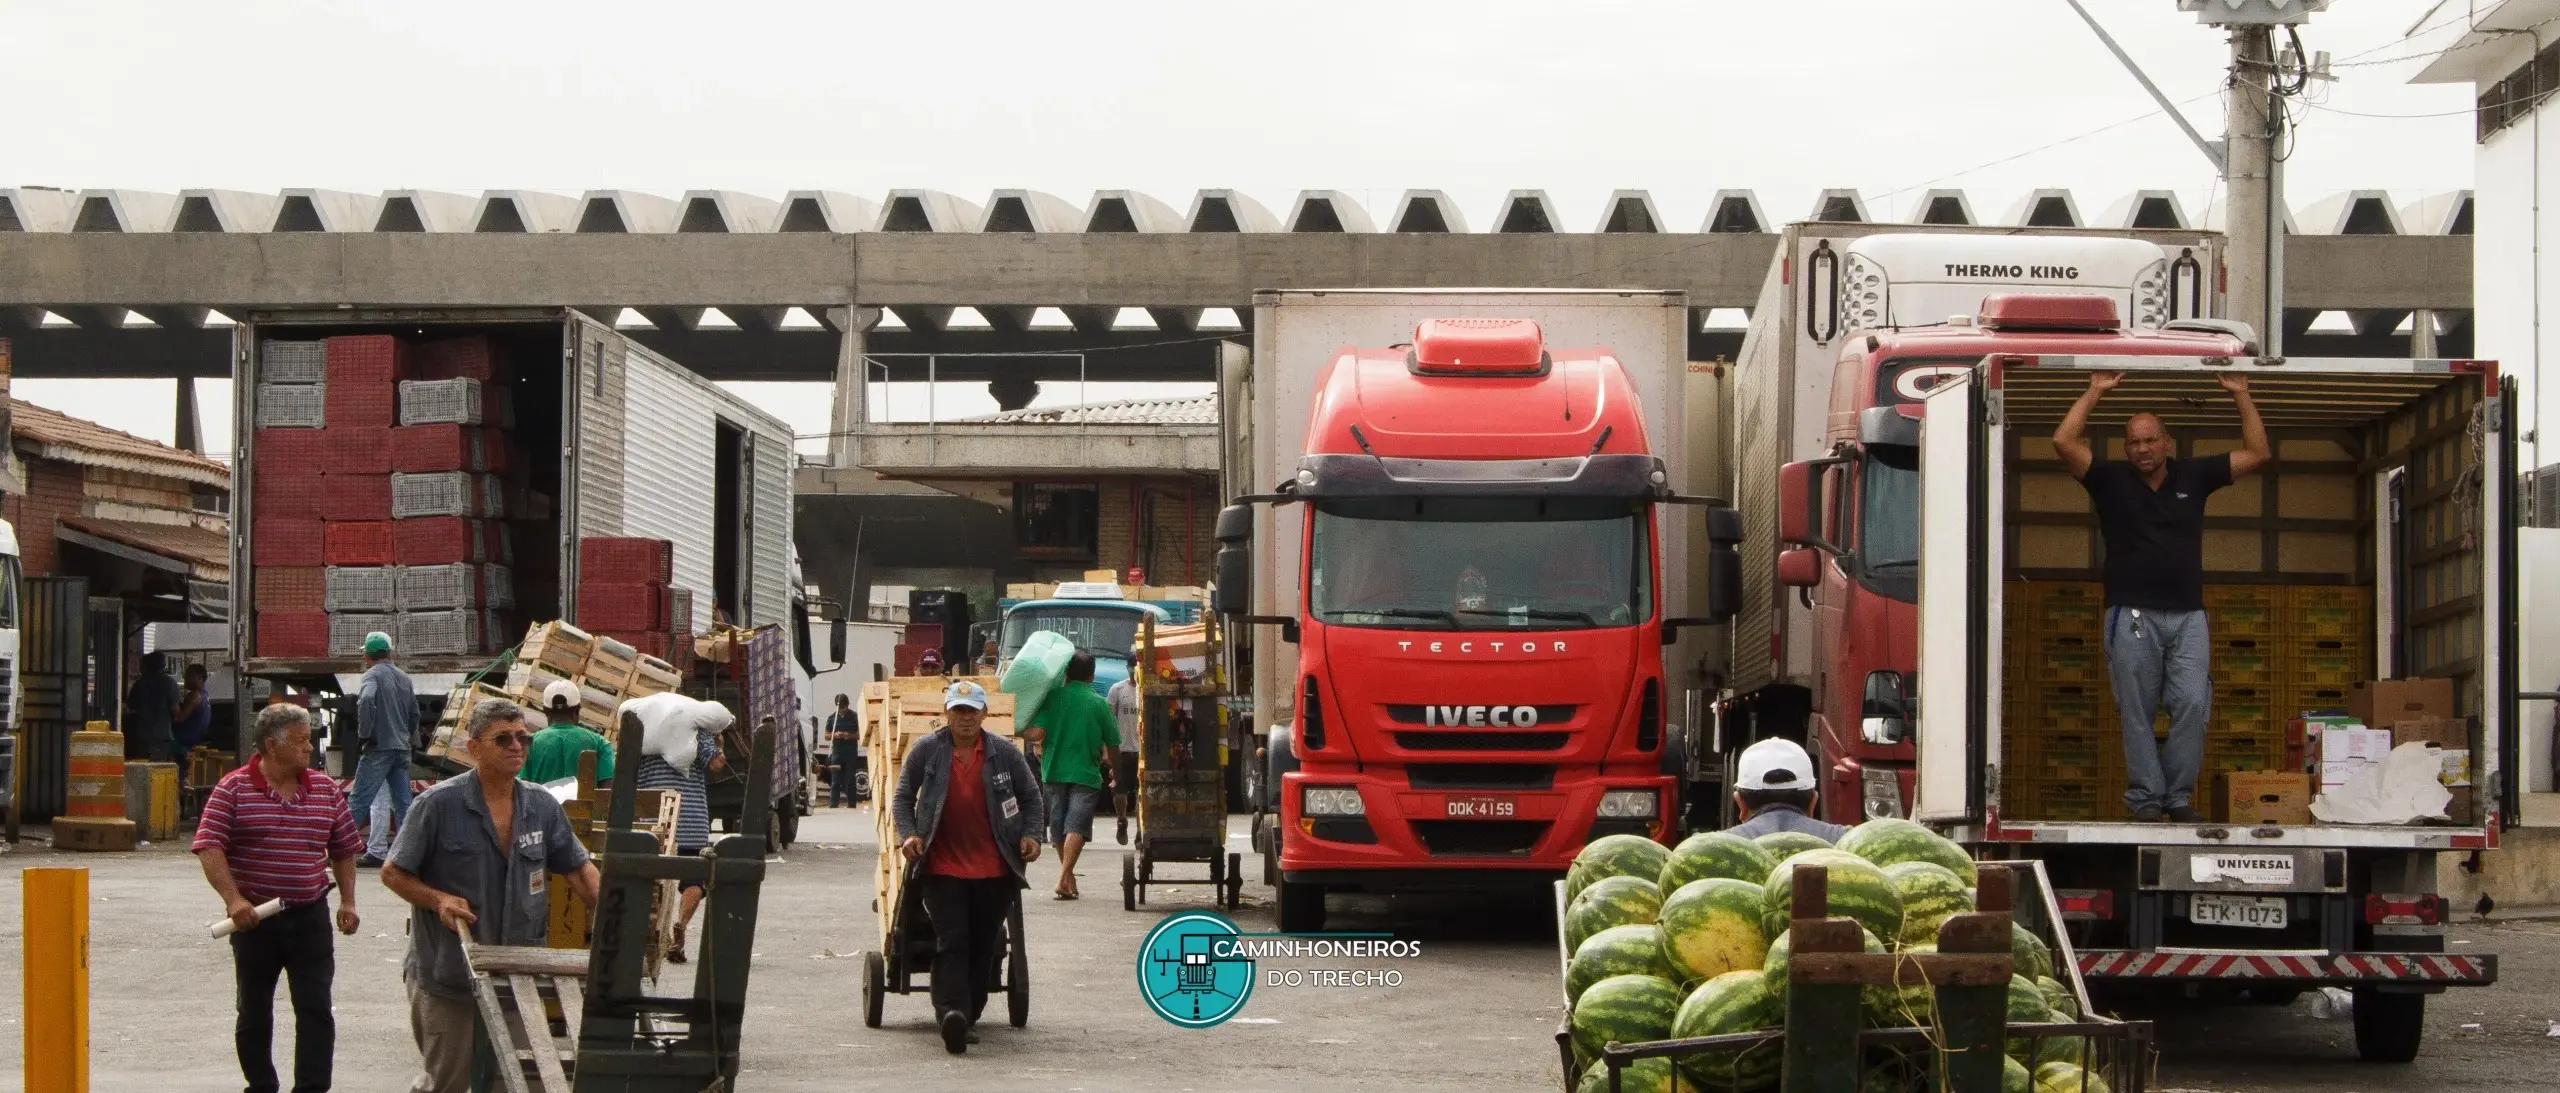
285	541
293	451
295	634
356	450
909	654
426	449
472	357
436	540
610	606
356	542
278	491
361	359
355	497
290	588
362	403
626	561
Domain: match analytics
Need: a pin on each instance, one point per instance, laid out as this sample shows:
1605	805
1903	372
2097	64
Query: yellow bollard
56	966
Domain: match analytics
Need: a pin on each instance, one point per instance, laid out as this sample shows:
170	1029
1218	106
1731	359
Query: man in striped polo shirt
275	830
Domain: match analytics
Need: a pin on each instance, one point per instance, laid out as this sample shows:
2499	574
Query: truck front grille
1479	838
1481	776
1482	741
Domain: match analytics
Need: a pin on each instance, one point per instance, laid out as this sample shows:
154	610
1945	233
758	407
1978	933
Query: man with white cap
970	854
556	748
386	725
1775	791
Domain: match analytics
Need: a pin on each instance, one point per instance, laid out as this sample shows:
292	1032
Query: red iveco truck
1465	594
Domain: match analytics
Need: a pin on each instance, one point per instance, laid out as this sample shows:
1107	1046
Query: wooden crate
571	918
896	712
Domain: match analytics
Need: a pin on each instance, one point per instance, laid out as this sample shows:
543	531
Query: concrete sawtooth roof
1198	410
52	434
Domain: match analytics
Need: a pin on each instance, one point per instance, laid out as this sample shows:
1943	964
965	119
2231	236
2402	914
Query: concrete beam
1003	451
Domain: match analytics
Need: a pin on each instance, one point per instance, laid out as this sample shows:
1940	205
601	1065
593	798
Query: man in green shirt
555	751
1075	731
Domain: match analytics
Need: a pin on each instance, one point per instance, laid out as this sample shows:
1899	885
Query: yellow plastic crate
2244	610
2064	607
2244	662
2061	707
2070	658
2067	757
2245	710
2329	611
2304	696
2327	662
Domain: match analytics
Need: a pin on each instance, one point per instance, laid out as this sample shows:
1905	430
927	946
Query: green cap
377	645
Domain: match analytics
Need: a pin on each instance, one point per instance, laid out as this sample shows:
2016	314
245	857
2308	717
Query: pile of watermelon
1692	941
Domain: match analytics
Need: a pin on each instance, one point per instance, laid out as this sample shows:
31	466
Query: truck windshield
1100	631
1889	509
1480	563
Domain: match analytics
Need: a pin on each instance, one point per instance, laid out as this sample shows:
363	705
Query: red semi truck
1471	578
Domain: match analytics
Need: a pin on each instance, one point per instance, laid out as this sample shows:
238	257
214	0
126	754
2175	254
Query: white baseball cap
964	693
561	691
1775	764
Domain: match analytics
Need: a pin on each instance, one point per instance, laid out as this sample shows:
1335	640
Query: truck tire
2388	1026
790	826
1301	908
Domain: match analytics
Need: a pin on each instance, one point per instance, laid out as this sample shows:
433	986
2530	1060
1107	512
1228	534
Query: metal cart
1182	785
903	964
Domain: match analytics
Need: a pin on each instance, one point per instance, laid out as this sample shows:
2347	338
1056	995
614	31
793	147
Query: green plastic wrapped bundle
1035	672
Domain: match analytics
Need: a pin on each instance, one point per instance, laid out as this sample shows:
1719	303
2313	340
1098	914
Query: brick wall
109	484
54	490
1157	504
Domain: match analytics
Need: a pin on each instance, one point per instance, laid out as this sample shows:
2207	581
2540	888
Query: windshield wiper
1540	613
1400	613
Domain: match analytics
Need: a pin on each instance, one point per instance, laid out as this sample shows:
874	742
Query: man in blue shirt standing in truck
386	722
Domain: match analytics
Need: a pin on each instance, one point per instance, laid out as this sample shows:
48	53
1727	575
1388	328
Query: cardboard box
2341	743
2457	767
2443	732
2389	701
2262	797
2459	808
2335	773
95	833
1102	576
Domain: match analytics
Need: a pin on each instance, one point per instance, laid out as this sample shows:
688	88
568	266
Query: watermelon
1913	1003
1716	854
1773	968
1782	845
1629	1009
1857	889
1712	926
1892	1072
1655	1075
2066	1078
1619	950
2026	1006
2057	997
1889	841
1929	894
2014	1077
1614	856
1730	1003
2031	957
1611	901
2059	1049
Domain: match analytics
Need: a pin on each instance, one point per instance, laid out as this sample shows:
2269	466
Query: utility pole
2253	185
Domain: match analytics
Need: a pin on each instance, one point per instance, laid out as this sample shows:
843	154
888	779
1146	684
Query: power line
2043	147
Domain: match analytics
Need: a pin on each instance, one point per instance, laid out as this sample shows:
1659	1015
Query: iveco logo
1513	717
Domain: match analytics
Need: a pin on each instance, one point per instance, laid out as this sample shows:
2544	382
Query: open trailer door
1959	565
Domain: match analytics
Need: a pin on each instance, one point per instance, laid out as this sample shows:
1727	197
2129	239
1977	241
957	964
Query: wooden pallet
519	991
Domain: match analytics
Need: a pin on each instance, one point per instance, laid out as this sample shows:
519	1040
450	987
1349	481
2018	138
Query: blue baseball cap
964	693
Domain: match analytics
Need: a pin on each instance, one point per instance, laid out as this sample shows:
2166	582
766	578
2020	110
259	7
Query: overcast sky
1679	98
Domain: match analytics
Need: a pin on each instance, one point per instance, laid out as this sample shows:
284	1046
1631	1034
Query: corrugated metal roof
206	553
1197	410
57	435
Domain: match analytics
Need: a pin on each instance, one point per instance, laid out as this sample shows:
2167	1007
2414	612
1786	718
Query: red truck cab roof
1895	366
1476	389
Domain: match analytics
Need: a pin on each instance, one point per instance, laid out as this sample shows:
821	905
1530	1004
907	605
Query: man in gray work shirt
477	854
386	721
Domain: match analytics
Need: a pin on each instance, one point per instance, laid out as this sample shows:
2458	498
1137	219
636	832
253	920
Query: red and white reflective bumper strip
2416	967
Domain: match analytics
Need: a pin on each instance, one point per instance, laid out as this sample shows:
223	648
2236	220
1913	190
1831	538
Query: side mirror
1799	568
1235	560
800	635
1888	425
835	640
1724	563
1796	483
1884	716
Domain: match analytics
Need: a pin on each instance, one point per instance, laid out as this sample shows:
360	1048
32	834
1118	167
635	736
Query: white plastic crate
497	586
292	405
441	493
493	496
347	631
441	402
360	588
431	633
439	587
293	362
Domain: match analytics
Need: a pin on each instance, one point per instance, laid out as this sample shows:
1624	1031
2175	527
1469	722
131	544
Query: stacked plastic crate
2064	759
287	457
2248	668
627	598
449	502
363	383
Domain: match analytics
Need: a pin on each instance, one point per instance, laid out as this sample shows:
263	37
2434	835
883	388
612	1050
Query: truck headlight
2151	296
1331	801
1883	793
1630	804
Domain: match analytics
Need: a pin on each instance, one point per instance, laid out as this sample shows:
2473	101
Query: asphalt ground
1475	1010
